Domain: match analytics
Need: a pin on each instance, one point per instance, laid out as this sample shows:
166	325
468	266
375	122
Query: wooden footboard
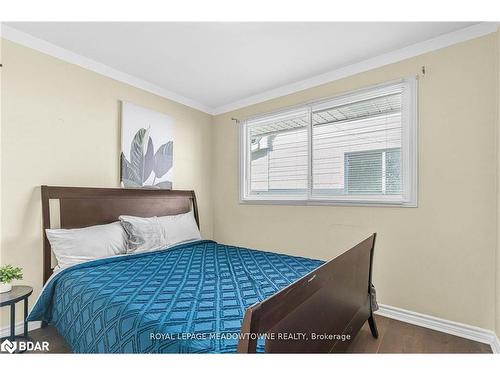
319	313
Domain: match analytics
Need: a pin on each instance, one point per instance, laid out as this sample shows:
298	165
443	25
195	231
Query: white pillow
180	228
156	233
73	246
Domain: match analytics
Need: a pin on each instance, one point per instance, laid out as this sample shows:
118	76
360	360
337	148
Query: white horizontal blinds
372	172
278	154
356	144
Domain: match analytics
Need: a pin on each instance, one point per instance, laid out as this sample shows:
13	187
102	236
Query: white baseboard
442	325
495	345
5	331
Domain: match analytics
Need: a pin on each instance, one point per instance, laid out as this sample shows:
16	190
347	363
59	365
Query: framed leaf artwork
147	148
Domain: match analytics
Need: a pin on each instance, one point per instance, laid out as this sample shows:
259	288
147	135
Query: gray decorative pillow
143	233
156	233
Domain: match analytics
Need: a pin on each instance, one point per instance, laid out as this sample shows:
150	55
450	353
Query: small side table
18	293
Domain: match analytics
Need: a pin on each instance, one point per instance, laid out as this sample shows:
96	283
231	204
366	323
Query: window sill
327	202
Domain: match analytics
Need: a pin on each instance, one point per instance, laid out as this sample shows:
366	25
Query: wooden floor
394	337
400	337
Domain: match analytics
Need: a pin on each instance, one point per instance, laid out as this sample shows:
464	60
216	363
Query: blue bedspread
187	299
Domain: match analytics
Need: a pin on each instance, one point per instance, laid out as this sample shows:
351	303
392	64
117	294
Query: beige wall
437	259
60	126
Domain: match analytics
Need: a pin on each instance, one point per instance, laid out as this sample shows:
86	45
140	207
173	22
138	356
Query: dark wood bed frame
332	302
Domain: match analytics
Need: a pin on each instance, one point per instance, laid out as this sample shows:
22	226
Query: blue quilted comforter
187	299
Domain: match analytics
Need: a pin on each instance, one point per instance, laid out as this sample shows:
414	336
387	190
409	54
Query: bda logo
22	346
8	346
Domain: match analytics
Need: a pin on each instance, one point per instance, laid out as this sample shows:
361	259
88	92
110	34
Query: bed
197	297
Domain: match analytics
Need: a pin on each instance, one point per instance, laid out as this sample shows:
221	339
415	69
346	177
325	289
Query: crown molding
413	50
50	49
439	42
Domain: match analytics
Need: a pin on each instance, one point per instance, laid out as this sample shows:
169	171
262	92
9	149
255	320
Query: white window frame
409	152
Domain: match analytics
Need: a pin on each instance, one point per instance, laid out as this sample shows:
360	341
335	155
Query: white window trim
409	153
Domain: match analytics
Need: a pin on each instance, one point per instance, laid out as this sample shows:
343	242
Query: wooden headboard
82	207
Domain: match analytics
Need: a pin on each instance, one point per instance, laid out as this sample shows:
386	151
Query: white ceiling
216	64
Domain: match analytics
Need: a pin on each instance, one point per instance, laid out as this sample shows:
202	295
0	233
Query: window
373	171
358	148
